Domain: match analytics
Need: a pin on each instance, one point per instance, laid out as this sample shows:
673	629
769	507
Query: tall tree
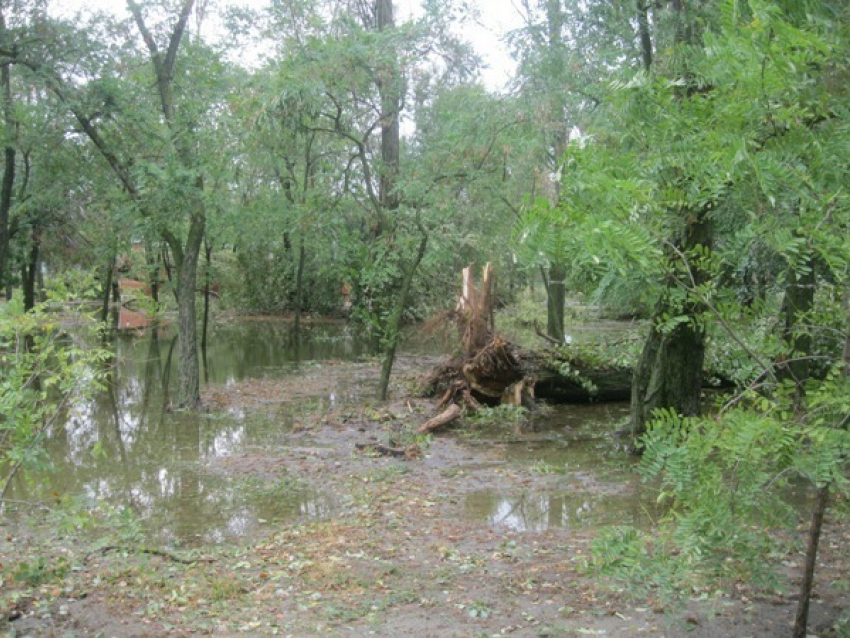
186	251
9	146
669	372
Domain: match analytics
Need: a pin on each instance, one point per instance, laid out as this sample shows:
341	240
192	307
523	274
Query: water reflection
562	509
125	447
576	445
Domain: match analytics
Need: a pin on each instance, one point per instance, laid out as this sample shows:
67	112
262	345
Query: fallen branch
450	414
385	450
148	550
546	337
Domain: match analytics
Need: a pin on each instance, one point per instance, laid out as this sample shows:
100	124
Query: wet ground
266	515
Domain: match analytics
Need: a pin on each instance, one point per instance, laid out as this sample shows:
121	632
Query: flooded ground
127	448
269	513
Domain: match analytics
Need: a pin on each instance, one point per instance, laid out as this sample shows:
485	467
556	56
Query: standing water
126	448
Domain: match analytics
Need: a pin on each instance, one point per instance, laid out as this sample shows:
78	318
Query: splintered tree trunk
475	307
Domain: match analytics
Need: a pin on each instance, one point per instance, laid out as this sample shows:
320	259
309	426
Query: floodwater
596	483
126	449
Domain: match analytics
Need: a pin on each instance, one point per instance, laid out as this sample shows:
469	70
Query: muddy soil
399	554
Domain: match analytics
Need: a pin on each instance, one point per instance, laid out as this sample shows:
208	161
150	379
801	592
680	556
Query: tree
104	111
357	74
726	147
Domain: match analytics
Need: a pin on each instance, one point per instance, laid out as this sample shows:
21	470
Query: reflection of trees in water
526	511
541	511
239	351
125	447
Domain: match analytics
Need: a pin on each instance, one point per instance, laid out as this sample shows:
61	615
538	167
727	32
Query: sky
495	18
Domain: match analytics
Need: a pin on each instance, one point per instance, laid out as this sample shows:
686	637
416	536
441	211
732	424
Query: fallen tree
494	371
553	375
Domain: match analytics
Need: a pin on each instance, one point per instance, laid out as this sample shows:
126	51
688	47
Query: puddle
562	509
591	481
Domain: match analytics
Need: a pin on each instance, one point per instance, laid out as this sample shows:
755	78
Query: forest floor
400	558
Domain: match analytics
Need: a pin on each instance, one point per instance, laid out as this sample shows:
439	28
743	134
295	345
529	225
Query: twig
148	550
546	337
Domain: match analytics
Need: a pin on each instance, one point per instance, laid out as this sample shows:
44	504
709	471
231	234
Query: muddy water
126	449
594	483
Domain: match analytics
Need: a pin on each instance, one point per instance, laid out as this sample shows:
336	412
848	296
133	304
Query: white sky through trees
495	18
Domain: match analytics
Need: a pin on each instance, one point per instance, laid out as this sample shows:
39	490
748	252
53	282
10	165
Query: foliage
727	482
501	416
735	134
45	368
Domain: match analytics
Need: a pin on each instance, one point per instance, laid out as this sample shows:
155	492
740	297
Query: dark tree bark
299	291
645	37
556	299
107	290
152	262
669	371
186	255
798	302
207	291
555	280
388	87
188	366
29	270
9	154
802	616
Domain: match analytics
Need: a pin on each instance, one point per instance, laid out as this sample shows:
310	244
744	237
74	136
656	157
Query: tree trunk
556	299
9	165
802	617
207	286
188	368
388	87
299	291
29	271
645	37
475	308
556	290
394	326
669	371
107	290
798	302
164	63
153	269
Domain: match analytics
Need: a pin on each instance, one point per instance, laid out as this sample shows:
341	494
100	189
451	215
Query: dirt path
399	556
